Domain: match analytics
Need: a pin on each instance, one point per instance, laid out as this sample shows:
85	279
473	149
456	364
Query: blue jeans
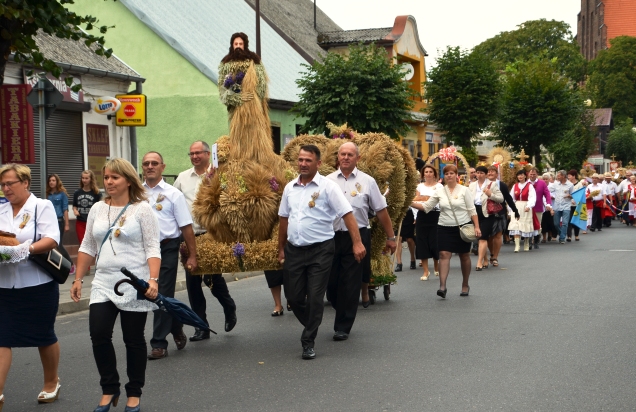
565	216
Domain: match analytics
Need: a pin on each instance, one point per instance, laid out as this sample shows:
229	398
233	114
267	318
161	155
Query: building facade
601	20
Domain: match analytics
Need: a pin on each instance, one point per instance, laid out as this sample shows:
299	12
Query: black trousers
572	227
219	290
101	321
60	246
345	281
306	273
163	322
597	219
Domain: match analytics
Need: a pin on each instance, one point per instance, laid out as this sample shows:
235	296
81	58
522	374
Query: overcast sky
464	23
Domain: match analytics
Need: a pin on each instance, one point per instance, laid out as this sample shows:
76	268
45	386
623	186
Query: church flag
579	218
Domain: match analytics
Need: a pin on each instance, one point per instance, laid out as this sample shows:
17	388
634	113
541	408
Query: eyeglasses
191	154
9	184
154	163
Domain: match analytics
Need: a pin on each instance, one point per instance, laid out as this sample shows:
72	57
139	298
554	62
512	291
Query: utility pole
258	28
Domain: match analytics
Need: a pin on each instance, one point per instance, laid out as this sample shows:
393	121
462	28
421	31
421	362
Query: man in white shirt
621	194
610	190
188	183
308	208
363	193
595	192
174	219
561	193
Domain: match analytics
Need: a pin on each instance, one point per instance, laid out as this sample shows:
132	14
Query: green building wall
183	104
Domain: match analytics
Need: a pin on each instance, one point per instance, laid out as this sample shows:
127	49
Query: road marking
621	250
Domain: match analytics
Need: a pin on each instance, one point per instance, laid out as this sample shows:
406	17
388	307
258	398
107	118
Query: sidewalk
68	306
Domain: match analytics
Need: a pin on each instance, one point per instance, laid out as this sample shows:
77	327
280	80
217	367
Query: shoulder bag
467	231
493	207
52	262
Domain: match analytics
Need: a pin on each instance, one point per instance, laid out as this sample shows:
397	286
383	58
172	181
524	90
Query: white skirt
524	226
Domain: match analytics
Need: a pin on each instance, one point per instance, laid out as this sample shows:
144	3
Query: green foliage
570	151
622	142
612	80
364	89
537	39
538	107
20	20
470	154
462	93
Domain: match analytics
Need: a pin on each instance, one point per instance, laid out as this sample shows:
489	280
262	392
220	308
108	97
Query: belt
361	229
163	242
199	234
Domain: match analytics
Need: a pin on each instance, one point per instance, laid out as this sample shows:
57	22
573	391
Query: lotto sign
133	110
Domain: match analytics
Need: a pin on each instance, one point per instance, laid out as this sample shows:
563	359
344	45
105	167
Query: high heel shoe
278	312
133	408
49	397
1	402
442	293
465	293
105	408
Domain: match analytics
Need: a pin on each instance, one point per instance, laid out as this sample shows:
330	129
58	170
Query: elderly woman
121	231
483	190
457	208
28	295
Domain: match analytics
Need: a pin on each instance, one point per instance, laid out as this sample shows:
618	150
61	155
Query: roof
295	18
77	53
355	36
602	117
200	31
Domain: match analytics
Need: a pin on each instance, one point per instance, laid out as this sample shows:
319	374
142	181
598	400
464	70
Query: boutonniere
25	220
354	193
121	222
312	202
160	199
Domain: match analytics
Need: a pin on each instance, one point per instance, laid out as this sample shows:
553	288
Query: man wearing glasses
188	183
175	221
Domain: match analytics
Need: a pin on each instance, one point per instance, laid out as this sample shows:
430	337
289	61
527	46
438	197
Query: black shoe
398	267
592	229
366	304
412	264
465	293
536	246
600	230
200	334
308	353
230	321
442	293
340	335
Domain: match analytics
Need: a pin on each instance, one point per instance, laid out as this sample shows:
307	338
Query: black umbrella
176	308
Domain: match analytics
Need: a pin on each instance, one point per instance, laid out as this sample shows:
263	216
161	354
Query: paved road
551	330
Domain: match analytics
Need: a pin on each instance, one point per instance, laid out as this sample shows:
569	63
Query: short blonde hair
23	172
136	191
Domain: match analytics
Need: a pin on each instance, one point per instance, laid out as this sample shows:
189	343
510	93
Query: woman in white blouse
525	199
121	231
452	198
28	295
426	223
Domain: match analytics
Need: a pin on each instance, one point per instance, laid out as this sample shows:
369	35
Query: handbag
52	262
467	231
493	207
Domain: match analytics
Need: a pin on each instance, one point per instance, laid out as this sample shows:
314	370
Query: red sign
16	124
60	84
129	110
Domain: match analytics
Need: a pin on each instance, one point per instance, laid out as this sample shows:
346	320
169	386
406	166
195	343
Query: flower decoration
121	222
290	174
234	82
273	184
209	174
312	202
241	184
25	220
340	132
447	154
238	251
160	198
223	181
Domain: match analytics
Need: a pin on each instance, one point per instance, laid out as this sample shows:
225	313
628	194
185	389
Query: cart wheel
387	291
372	297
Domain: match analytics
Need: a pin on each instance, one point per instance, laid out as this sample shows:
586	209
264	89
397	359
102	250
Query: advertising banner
16	123
97	149
133	110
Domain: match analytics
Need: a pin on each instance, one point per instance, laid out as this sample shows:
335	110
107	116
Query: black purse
53	262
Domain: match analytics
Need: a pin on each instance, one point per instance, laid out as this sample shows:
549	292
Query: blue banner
579	217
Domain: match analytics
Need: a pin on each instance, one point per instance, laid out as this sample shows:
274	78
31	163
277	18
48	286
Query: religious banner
16	125
97	149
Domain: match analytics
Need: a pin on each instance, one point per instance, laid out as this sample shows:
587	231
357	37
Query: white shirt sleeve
181	212
532	197
149	230
89	244
47	221
283	209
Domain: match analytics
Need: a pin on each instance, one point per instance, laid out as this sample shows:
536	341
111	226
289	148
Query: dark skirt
27	316
486	224
449	240
274	278
547	224
426	239
408	228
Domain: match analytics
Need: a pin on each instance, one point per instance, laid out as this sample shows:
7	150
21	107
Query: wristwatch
391	238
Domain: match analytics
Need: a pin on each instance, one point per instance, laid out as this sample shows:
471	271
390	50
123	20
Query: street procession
331	200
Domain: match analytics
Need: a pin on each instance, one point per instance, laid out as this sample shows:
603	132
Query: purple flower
273	184
238	250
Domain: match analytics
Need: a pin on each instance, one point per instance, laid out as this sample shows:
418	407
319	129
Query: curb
67	306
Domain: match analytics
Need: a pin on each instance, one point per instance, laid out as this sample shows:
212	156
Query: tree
538	107
364	89
622	142
20	21
612	80
537	39
462	93
576	145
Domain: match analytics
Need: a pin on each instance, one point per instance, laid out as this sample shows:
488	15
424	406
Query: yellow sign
133	110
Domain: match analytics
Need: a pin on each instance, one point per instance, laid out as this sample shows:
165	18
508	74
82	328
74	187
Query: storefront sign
98	149
106	105
133	110
60	84
16	123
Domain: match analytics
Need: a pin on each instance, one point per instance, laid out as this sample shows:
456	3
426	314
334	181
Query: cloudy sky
463	23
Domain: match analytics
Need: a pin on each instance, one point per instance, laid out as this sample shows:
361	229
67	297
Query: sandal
278	312
494	262
478	269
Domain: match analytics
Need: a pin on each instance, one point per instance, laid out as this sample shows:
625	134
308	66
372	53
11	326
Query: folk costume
527	226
